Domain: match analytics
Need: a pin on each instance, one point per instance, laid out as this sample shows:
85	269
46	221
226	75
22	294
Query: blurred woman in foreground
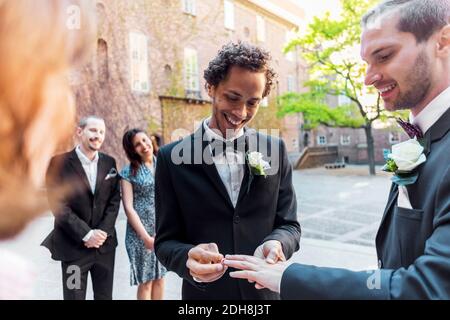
39	42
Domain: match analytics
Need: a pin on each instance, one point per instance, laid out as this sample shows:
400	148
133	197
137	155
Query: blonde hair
37	112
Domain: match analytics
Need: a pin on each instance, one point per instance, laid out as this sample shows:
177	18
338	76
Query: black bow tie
220	146
411	130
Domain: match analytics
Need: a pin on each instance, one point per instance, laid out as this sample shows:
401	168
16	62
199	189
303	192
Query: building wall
103	86
356	151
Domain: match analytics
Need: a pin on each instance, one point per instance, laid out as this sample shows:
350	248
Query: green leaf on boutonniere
390	166
258	170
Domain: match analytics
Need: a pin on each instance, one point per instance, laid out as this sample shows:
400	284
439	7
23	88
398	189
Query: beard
92	147
418	81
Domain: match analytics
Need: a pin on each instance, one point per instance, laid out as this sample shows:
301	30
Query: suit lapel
440	128
250	146
393	195
102	171
435	133
427	143
78	168
208	164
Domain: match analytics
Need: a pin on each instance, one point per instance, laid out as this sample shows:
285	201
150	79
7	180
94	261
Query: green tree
330	47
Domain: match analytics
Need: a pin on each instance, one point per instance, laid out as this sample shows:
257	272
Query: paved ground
339	211
342	205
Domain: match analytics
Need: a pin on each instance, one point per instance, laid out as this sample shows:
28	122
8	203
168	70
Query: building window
189	7
344	100
345	140
167	71
246	32
291	87
102	60
260	29
139	62
306	139
191	75
100	14
394	137
264	102
229	14
321	140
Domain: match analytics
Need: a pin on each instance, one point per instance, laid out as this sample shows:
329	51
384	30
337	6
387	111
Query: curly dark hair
244	55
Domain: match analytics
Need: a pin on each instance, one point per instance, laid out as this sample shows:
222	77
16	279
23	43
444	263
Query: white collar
432	112
210	134
85	160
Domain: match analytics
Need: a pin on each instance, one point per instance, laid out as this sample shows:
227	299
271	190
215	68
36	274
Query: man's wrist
88	236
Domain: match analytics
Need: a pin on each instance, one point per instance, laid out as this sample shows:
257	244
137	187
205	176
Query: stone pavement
339	211
344	205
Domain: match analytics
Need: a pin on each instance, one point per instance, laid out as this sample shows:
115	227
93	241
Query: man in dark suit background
406	44
84	236
215	192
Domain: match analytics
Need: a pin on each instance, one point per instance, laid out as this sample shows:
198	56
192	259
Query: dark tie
411	129
220	146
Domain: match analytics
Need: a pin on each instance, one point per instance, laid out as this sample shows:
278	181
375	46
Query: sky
319	7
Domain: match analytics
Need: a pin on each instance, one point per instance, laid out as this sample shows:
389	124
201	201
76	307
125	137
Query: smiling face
92	135
401	69
235	100
143	146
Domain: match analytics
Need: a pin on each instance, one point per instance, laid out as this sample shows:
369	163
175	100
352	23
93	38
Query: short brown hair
422	18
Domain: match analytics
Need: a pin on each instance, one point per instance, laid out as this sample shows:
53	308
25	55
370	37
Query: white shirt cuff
88	236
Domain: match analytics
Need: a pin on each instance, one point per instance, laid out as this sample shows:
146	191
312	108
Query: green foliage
152	124
330	47
316	112
390	166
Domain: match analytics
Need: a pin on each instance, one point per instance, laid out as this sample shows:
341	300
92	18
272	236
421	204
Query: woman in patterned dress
138	196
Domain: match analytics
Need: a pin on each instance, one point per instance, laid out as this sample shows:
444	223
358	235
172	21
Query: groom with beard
406	44
226	189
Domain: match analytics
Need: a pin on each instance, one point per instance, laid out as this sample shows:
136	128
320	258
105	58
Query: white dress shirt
229	164
90	168
425	120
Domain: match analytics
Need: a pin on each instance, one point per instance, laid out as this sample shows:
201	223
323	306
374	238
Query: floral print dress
144	265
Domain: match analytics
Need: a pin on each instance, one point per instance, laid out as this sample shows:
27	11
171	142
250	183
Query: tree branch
328	125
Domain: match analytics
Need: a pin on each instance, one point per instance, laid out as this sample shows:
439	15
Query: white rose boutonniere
257	164
403	160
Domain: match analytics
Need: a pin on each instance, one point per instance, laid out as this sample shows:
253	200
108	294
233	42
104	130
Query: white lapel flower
404	158
407	155
257	164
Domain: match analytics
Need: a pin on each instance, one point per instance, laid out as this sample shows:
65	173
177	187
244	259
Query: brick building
352	143
148	68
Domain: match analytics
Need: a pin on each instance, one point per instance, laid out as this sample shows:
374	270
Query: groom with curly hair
226	189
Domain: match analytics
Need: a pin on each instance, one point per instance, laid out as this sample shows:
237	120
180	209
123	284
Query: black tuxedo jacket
81	210
193	207
413	245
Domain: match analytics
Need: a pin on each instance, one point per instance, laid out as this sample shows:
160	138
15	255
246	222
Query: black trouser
75	273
